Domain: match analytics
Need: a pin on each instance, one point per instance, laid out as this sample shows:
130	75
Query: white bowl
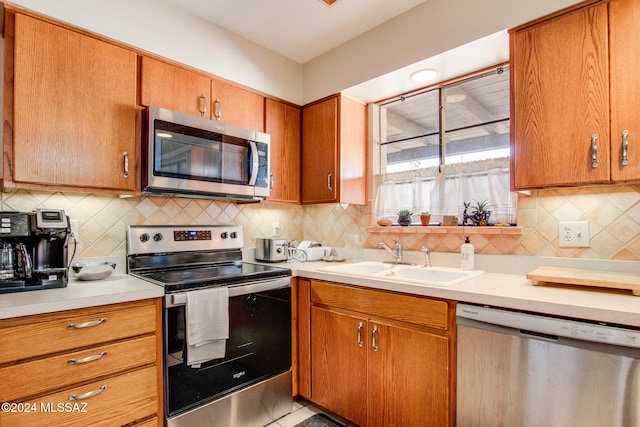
93	270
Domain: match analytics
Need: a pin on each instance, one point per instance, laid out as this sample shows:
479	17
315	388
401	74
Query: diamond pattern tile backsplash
613	213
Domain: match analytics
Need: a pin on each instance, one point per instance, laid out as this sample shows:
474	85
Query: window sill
417	229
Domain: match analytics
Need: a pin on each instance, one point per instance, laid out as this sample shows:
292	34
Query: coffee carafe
33	250
15	261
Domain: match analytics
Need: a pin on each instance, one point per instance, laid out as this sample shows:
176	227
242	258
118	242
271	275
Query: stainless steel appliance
271	250
519	369
188	155
33	250
251	384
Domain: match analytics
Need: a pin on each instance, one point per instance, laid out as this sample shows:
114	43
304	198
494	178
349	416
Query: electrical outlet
573	234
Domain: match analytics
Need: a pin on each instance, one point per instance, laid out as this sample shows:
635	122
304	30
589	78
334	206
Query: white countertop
504	290
114	289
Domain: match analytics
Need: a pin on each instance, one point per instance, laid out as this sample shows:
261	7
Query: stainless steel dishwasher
523	370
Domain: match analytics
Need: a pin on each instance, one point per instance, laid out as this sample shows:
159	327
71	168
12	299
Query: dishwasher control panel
551	326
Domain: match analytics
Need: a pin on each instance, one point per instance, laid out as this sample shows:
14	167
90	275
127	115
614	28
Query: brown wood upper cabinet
174	88
572	114
236	106
70	110
282	122
381	358
334	151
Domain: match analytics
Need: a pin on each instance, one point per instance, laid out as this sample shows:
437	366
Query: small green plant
426	213
481	206
405	212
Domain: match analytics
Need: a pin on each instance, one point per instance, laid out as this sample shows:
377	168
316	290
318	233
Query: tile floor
301	411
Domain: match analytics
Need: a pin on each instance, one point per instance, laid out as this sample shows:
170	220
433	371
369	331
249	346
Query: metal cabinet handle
86	324
360	343
203	110
87	359
625	148
594	150
373	338
88	394
329	176
273	182
217	109
126	164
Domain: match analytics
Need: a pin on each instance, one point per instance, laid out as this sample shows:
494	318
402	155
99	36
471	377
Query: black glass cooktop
178	279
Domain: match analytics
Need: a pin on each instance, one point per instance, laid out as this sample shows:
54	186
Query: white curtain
444	192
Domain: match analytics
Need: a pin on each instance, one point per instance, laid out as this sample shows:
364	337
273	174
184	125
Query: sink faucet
427	256
397	254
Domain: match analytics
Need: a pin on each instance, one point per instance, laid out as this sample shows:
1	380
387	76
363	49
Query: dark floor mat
319	420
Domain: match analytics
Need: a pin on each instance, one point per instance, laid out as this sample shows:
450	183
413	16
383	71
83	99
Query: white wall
163	29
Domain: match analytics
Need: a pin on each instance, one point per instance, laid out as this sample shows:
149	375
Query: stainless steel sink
418	275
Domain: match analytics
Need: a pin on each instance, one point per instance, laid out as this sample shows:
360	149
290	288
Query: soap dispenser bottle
466	255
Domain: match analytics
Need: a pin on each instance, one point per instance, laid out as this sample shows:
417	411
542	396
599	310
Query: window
446	146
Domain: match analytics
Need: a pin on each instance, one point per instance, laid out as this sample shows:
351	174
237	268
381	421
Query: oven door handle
174	300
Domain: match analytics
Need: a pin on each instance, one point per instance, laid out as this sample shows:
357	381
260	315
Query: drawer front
402	307
43	375
33	336
115	401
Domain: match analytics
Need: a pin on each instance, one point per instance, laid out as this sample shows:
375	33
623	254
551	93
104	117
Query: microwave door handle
253	148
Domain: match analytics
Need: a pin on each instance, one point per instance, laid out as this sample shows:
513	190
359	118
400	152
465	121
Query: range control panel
145	239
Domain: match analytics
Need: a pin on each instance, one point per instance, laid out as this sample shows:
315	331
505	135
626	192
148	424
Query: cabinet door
408	377
236	106
624	37
339	363
560	90
320	152
75	118
282	122
174	88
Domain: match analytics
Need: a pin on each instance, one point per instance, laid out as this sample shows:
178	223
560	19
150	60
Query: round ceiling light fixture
422	76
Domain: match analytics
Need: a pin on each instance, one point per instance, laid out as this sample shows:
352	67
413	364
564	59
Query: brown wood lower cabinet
381	358
85	367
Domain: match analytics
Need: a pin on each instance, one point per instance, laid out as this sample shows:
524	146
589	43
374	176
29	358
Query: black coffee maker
33	250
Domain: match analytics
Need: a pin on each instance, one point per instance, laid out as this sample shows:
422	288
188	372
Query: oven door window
194	154
259	347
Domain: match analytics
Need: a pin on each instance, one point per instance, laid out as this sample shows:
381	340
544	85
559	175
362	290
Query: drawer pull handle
87	394
594	150
625	148
125	174
217	109
87	359
373	338
360	343
203	110
86	324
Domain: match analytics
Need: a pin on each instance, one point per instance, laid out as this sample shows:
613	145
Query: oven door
193	155
258	348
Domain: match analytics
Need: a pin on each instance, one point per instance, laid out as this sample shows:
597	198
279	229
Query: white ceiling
297	29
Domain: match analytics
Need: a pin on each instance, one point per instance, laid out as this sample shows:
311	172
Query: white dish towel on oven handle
207	324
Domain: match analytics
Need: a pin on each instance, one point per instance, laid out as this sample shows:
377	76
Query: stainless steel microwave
196	157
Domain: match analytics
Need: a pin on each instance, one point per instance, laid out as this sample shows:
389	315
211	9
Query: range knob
224	235
157	237
234	235
144	237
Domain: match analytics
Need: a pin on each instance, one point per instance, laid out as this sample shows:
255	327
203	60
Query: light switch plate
573	234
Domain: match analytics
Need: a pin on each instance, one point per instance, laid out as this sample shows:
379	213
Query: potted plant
425	218
404	217
481	213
